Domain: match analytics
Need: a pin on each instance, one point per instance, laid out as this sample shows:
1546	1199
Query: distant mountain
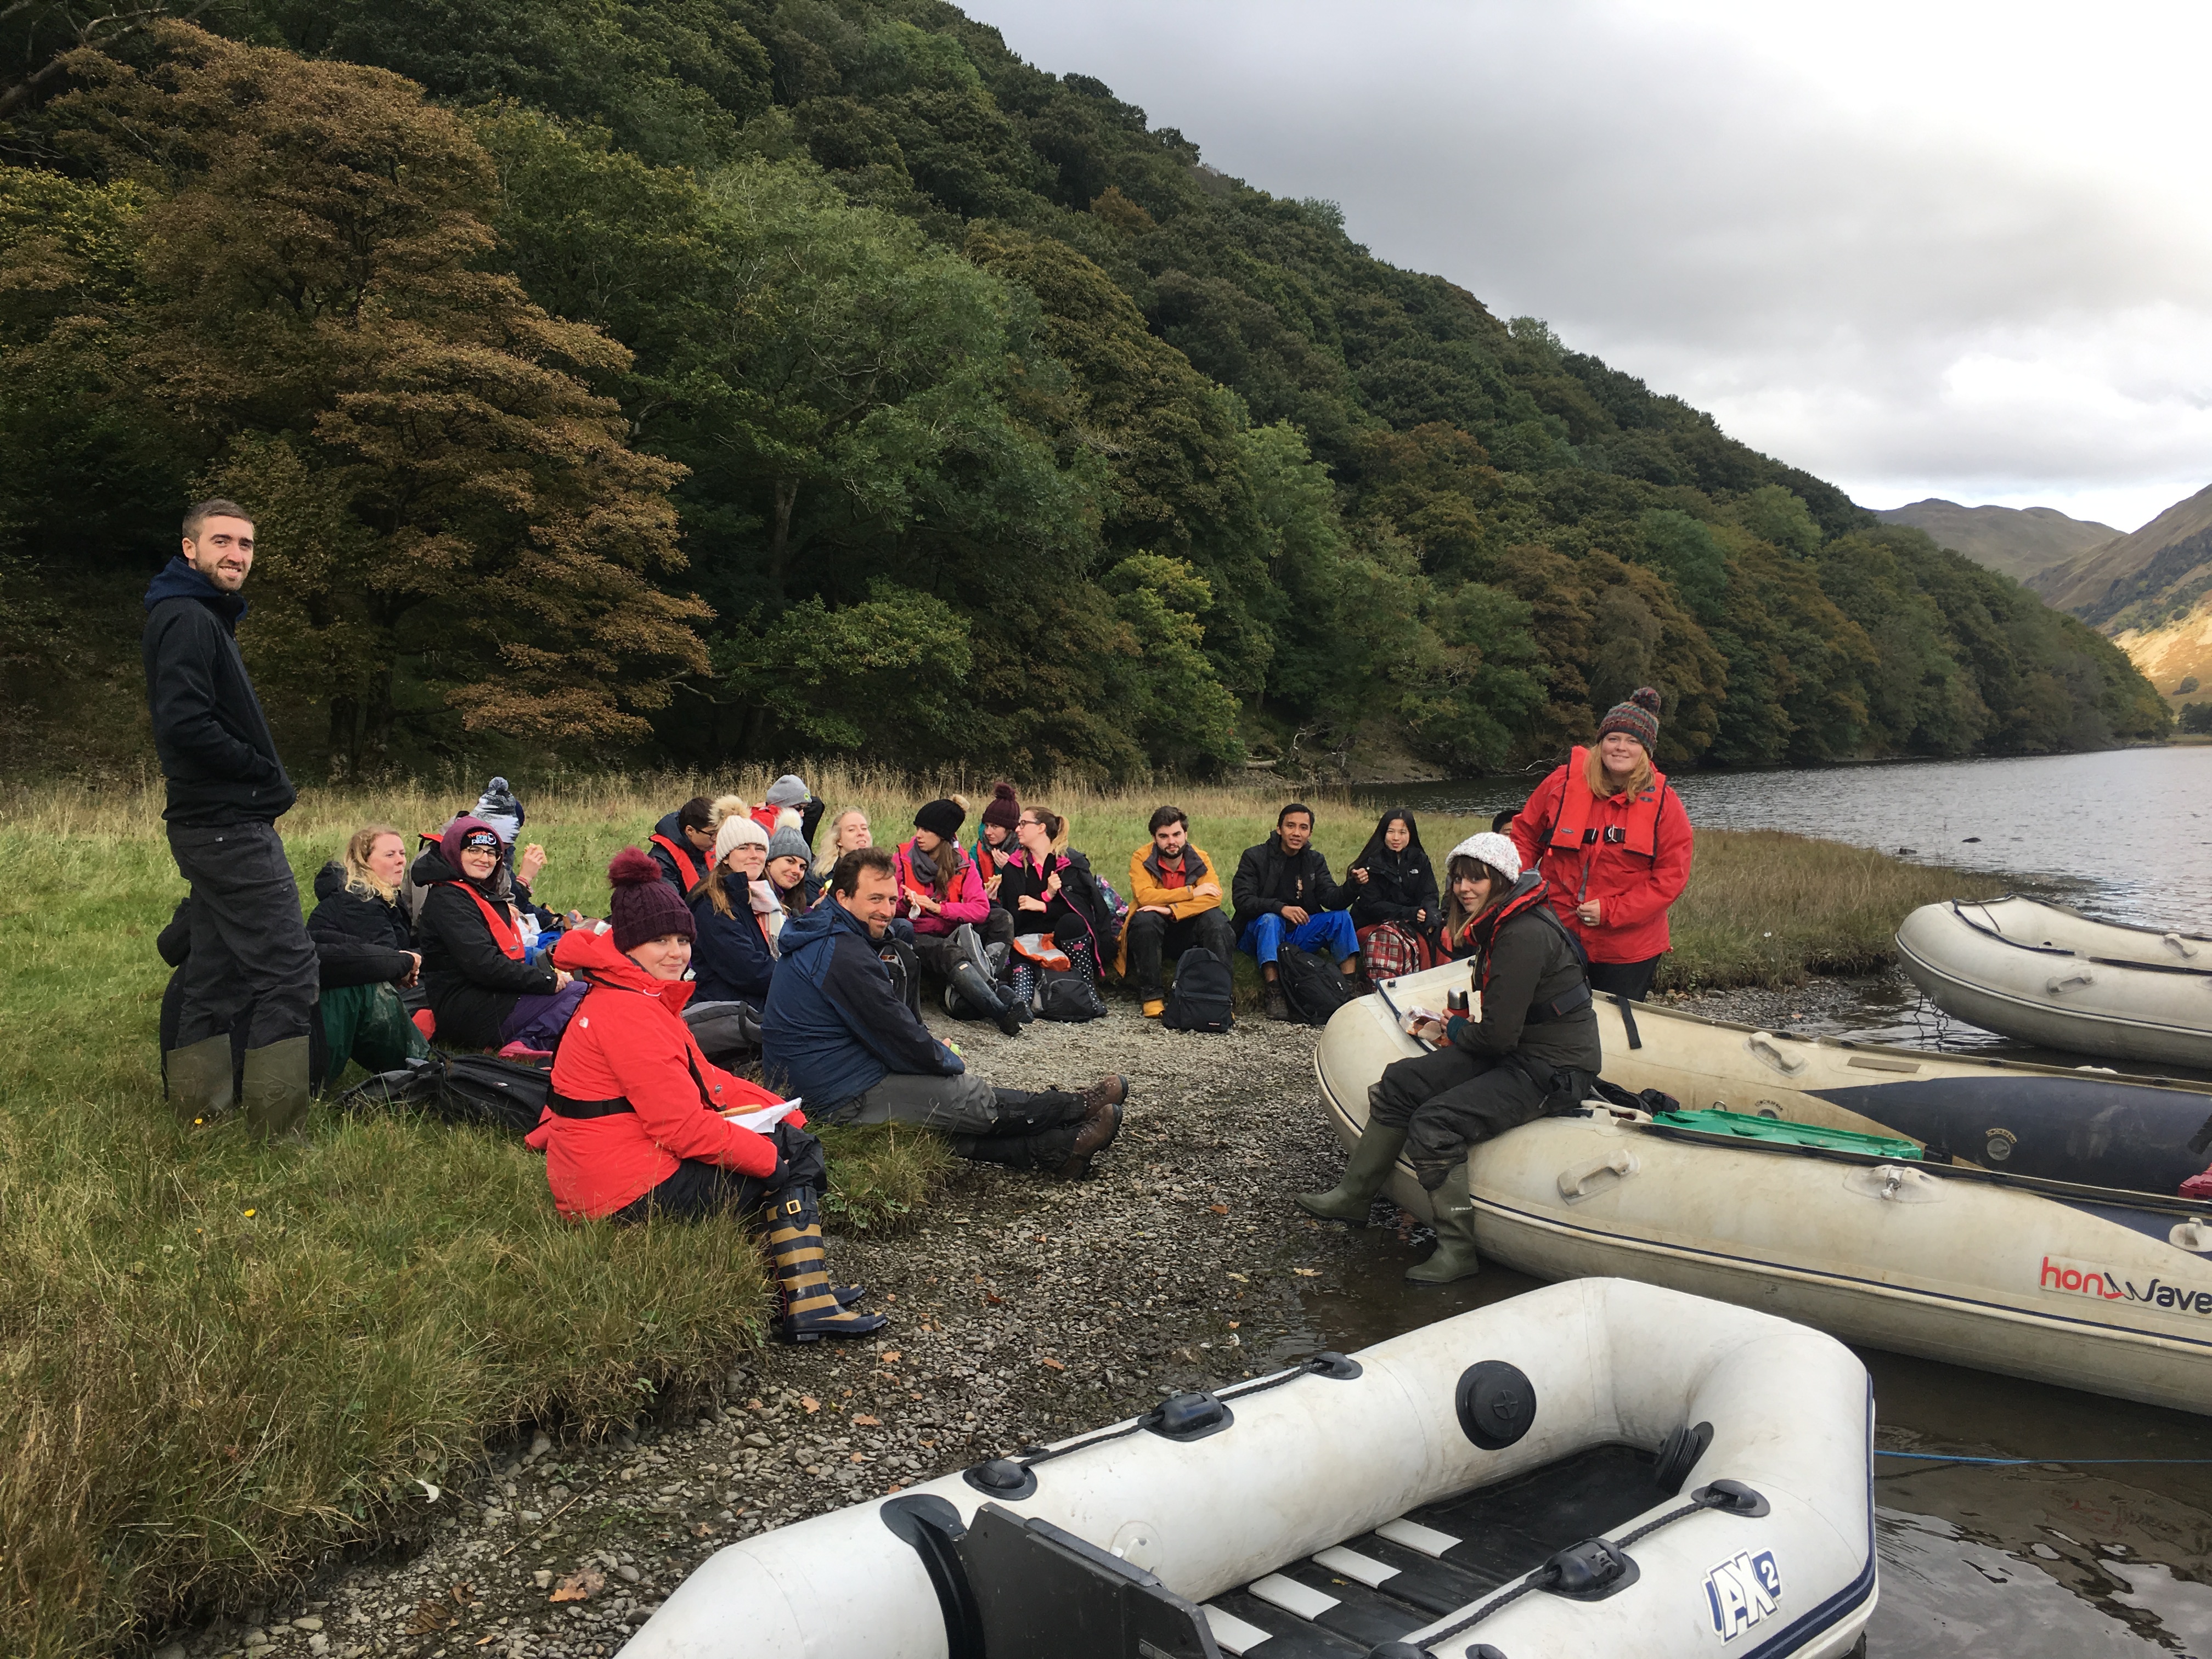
2141	581
2016	542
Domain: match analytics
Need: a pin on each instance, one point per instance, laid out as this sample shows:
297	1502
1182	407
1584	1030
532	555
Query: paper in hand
762	1118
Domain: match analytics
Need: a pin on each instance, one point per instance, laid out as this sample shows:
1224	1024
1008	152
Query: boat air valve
1497	1403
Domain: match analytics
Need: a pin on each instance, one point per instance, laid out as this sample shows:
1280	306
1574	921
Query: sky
1926	249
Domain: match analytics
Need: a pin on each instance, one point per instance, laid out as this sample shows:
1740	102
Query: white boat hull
2060	1124
2047	976
1319	1461
1955	1266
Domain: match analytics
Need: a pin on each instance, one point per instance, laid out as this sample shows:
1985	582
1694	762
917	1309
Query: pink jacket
964	897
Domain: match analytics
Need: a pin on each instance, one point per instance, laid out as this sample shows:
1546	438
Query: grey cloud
1671	198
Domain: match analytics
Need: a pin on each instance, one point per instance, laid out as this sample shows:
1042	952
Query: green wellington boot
1350	1198
1454	1257
199	1079
274	1091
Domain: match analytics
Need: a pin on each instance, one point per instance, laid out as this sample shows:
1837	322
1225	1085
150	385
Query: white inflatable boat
1594	1470
2084	1287
2048	976
2092	1128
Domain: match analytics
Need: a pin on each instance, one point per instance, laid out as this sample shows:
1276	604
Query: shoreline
1025	1310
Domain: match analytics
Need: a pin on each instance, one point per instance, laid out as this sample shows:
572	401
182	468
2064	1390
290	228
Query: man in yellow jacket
1175	902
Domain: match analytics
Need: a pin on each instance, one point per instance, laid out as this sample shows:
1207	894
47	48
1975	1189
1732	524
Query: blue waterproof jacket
834	1026
730	958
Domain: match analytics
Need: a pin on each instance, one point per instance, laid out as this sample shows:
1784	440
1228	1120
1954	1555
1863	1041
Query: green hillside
703	378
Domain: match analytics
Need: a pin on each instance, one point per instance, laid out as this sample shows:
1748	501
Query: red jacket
1631	855
964	897
627	1041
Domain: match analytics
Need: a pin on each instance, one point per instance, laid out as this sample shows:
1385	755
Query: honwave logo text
2102	1285
1741	1591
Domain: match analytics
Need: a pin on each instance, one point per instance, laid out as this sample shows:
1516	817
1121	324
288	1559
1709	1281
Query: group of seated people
730	903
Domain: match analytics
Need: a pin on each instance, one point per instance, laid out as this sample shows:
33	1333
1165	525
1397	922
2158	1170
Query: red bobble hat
645	905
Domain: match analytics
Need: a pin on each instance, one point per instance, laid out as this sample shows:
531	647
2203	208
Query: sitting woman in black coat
485	993
365	949
1394	903
731	959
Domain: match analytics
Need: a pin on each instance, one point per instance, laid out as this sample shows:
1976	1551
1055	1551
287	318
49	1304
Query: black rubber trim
931	1528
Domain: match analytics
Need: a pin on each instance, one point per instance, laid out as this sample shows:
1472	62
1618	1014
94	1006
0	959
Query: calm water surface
2108	1562
2132	828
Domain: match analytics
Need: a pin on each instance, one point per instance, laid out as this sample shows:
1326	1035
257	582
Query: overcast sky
1922	249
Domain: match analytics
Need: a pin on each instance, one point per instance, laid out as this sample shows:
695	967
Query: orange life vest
1577	825
684	866
504	933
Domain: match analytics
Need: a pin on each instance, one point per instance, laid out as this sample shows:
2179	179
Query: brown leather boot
1102	1104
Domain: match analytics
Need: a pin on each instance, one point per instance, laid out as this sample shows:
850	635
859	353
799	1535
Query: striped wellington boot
811	1308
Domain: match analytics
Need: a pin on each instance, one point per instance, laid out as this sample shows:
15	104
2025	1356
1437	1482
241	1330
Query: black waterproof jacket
360	939
471	984
1267	878
1524	963
1399	885
213	740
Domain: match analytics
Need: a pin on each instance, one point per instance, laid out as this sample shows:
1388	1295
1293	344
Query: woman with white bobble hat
734	954
1535	1042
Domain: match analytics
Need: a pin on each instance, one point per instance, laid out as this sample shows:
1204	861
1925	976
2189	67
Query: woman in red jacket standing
641	1124
1614	844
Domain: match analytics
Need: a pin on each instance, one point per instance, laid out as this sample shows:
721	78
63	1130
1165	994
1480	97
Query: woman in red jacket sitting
1614	844
641	1122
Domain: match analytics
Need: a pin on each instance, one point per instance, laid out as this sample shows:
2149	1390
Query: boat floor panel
1503	1531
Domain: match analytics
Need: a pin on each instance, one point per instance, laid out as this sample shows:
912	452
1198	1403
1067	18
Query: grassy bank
217	1363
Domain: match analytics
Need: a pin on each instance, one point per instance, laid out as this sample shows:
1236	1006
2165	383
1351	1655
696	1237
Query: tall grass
217	1362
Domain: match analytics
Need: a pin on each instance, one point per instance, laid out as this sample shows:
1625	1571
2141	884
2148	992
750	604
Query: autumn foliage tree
435	481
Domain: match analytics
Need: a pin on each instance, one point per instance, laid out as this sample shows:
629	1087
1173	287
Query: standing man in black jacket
250	959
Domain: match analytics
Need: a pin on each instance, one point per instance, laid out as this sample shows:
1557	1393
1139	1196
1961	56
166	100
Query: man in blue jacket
836	1034
249	959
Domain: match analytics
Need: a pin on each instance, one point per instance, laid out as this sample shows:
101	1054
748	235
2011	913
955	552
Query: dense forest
686	380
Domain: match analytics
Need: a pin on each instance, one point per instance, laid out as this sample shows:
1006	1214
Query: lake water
2132	828
2112	1561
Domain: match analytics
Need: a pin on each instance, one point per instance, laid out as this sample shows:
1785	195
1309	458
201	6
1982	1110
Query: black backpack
1204	995
502	1094
1313	988
726	1032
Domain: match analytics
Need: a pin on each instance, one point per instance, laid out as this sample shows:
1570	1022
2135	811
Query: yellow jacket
1144	888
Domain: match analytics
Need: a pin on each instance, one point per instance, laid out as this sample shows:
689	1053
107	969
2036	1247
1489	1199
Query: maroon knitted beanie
646	904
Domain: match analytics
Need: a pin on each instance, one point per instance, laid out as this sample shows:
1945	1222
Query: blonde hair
1601	780
830	854
1053	826
360	878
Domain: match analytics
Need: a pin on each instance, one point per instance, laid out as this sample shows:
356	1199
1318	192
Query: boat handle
2187	950
2194	1234
1764	1046
2074	976
1574	1183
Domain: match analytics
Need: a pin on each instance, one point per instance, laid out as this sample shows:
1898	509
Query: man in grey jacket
249	960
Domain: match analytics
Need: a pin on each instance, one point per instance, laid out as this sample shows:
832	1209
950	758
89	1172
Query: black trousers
1447	1101
935	950
251	959
1632	980
696	1188
1151	937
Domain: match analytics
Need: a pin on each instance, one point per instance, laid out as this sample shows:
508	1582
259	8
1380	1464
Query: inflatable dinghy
2092	1128
2086	1287
1594	1470
2049	976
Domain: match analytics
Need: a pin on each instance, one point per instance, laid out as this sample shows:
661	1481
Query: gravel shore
1023	1309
